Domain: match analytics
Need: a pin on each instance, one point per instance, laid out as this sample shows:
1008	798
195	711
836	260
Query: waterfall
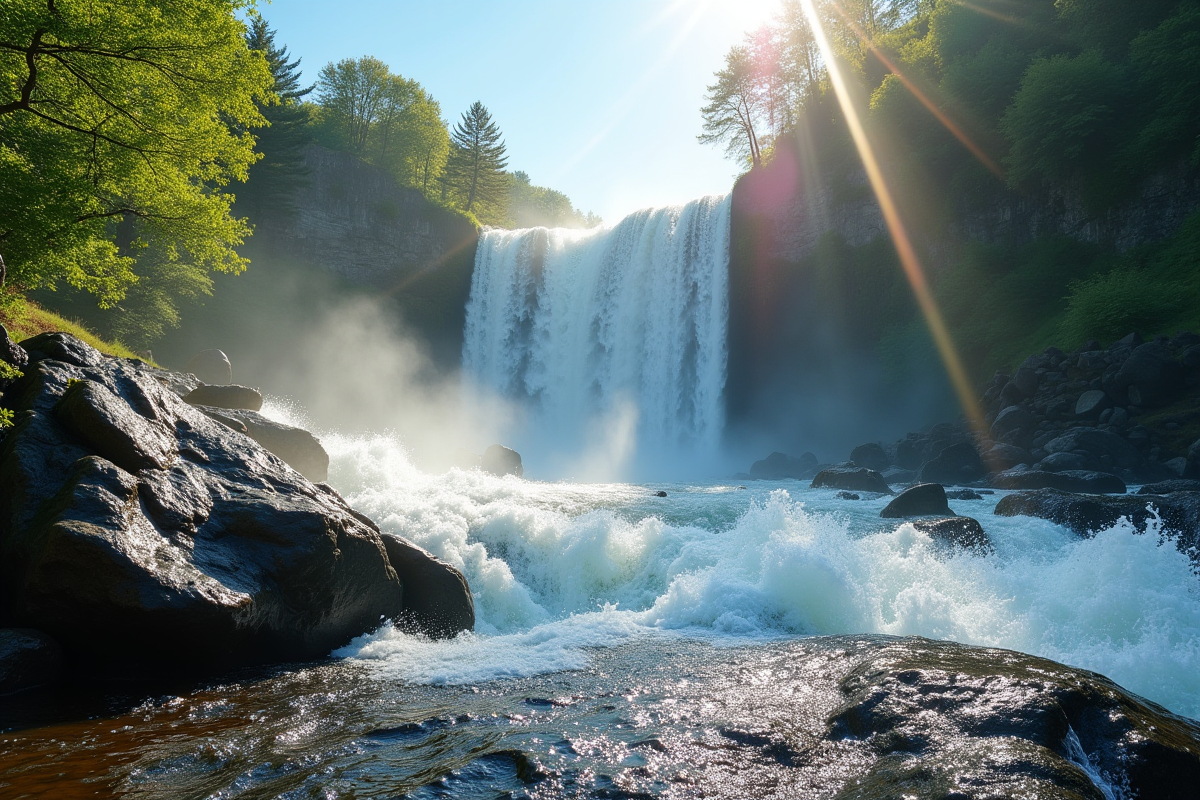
615	330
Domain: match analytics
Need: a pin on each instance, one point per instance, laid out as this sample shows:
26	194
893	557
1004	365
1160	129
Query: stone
299	449
1067	481
847	496
61	347
1177	465
1119	418
1063	462
225	396
957	464
142	535
1092	403
924	499
1026	380
1150	376
212	367
1005	456
911	453
853	479
1169	487
780	466
871	456
12	353
28	658
437	599
660	493
961	532
896	475
500	461
1096	444
965	494
1085	514
1013	421
1192	470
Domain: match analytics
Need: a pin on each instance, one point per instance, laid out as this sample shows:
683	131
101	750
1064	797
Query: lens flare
900	239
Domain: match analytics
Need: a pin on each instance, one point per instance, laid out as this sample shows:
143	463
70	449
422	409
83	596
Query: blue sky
599	100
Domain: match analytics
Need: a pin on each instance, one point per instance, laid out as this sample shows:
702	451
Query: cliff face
353	220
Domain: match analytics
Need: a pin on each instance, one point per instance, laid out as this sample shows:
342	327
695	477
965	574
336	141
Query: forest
1089	99
140	143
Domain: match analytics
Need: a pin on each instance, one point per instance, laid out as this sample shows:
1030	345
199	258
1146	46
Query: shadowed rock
924	499
437	600
871	456
963	532
781	466
231	396
500	460
852	479
1066	481
1168	487
28	658
956	464
212	367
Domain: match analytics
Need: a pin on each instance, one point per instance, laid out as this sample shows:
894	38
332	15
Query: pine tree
275	179
477	160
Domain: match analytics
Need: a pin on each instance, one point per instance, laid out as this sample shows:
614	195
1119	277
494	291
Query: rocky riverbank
147	526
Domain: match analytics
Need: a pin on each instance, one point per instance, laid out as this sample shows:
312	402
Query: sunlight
891	215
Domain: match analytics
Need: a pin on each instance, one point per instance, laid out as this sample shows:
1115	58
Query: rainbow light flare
900	239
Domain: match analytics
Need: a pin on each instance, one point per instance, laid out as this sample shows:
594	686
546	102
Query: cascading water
613	338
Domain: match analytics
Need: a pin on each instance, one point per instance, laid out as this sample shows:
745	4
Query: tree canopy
122	123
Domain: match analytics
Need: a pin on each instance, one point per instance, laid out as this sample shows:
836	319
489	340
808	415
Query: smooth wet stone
211	367
847	496
231	396
852	479
301	450
963	532
920	500
1085	514
437	599
1067	481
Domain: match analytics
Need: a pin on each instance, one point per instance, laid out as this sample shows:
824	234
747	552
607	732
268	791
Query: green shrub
1111	305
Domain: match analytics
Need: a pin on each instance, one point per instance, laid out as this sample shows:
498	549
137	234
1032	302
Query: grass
24	318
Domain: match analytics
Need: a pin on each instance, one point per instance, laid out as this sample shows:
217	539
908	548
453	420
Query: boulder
911	453
1150	376
226	396
297	447
212	367
1092	403
956	464
11	353
871	456
896	475
1168	487
1192	470
847	496
961	532
1096	444
437	599
966	494
924	499
781	466
1005	456
500	460
1026	380
1013	424
1064	462
136	531
1067	481
852	479
1085	514
28	658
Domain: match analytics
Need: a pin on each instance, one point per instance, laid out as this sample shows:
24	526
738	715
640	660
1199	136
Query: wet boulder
1085	514
297	447
226	396
1092	403
924	499
211	367
871	456
957	464
437	599
136	531
11	354
28	658
500	461
1098	446
852	479
957	532
1169	487
781	466
1150	376
1005	456
1066	481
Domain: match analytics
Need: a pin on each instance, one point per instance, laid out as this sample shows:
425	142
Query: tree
734	102
351	93
121	124
274	180
477	159
532	206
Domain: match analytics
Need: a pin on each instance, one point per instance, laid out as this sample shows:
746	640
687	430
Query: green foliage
532	206
475	172
1165	59
1109	306
122	122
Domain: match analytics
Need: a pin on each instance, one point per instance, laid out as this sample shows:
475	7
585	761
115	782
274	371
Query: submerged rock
231	396
843	495
136	530
963	532
1086	514
28	658
500	461
853	479
924	499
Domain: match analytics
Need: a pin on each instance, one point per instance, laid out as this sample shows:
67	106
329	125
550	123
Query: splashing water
560	568
614	338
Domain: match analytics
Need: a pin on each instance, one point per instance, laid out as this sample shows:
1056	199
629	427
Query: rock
853	479
139	533
871	456
1129	342
963	532
437	600
500	461
1177	465
297	447
1168	487
1097	444
1150	376
847	496
61	347
1063	462
964	494
1192	470
945	720
1085	514
956	464
781	466
894	475
28	658
1005	456
12	353
227	396
1119	418
920	500
660	493
1013	424
212	367
1026	381
1067	481
1092	403
911	453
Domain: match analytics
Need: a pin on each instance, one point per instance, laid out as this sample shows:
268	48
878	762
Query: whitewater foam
557	568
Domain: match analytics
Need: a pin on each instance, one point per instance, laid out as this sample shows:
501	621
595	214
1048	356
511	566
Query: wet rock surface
961	532
852	479
1066	481
231	396
137	530
919	500
28	658
297	447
